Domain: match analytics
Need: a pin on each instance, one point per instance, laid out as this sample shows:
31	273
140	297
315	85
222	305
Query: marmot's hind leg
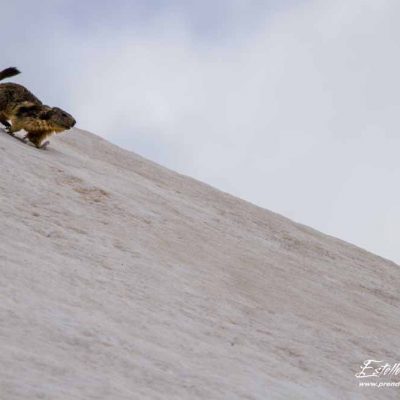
5	123
11	129
3	120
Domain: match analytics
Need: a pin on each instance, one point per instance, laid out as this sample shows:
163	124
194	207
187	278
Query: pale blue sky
292	105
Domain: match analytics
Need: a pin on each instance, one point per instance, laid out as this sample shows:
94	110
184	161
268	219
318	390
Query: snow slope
123	280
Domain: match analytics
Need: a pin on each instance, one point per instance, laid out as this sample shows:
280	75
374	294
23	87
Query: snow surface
121	279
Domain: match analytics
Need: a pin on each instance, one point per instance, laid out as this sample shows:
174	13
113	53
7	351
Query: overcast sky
292	105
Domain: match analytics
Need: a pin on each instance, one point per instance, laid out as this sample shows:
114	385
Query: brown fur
25	111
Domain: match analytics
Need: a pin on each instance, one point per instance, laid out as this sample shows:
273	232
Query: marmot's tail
8	72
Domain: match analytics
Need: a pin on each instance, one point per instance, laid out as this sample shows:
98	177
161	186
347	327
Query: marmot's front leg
37	138
44	145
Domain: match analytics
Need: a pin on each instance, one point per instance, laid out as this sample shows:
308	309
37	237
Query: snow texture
121	279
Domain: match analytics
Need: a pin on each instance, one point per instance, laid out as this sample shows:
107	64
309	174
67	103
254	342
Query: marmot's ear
45	114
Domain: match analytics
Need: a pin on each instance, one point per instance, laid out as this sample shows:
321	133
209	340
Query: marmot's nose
73	123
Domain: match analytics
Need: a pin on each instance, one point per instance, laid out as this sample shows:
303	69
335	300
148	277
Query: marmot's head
38	117
57	118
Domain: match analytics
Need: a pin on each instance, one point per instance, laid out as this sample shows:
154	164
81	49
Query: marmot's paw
8	130
44	145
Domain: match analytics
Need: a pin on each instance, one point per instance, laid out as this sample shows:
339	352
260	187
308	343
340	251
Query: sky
292	105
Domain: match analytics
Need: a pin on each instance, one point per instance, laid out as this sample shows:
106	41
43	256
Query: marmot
25	111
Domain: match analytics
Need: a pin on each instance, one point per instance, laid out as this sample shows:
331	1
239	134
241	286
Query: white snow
121	279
